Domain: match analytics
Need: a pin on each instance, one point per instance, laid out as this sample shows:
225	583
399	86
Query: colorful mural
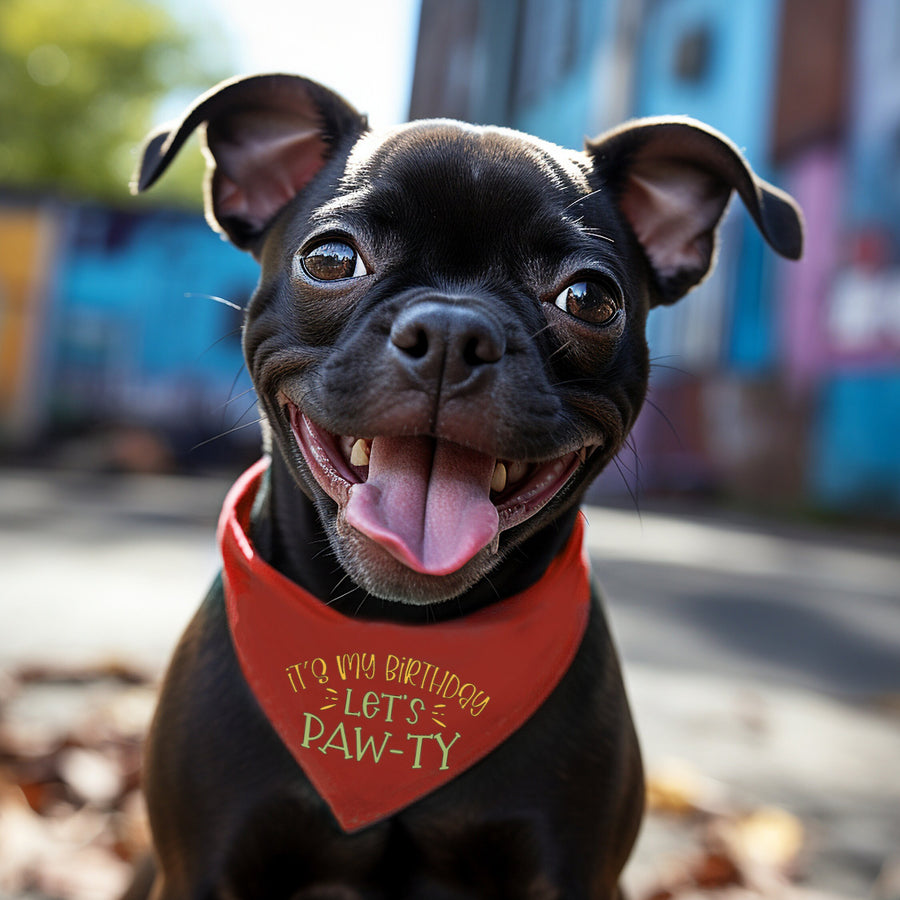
773	382
124	318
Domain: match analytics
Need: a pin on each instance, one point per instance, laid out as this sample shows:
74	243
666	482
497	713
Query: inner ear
674	209
265	138
260	160
672	179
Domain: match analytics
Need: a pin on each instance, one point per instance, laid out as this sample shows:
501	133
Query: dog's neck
287	532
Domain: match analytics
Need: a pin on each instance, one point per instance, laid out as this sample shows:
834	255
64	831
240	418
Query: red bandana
378	714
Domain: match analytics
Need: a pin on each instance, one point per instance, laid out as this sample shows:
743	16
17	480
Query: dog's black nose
434	339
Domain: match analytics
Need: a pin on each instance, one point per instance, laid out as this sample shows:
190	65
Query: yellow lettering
346	663
452	682
296	671
466	693
319	669
428	668
412	670
392	663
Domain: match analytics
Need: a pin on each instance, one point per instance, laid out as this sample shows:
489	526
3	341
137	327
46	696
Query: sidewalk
763	663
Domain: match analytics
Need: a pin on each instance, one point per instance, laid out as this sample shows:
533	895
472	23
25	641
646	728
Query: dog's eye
333	261
591	301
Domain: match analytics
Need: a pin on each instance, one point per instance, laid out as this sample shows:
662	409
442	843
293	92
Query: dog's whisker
578	200
224	406
595	232
561	349
631	493
665	418
678	369
362	603
541	330
225	337
345	577
222	300
229	431
492	586
234	398
234	382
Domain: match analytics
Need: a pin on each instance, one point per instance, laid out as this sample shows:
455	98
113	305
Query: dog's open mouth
432	504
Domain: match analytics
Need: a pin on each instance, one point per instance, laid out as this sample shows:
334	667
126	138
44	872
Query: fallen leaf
768	838
676	788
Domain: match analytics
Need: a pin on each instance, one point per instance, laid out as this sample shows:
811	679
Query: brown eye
333	261
591	301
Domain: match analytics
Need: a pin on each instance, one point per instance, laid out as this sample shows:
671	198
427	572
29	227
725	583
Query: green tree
79	83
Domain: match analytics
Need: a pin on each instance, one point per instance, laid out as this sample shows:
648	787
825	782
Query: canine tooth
582	454
498	479
359	455
516	471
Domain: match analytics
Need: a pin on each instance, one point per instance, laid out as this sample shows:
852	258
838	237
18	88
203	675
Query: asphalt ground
762	658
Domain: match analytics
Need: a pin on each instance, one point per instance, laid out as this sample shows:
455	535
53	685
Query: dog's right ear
264	137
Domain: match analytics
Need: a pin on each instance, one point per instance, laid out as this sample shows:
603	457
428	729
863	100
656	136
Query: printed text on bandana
346	710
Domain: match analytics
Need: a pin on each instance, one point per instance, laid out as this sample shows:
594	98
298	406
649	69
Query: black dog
447	342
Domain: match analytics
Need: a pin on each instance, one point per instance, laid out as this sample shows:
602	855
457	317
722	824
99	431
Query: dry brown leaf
677	788
715	870
111	670
768	838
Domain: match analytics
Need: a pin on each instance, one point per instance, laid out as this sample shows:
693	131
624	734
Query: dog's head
447	339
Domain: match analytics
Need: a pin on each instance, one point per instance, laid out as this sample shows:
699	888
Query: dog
403	684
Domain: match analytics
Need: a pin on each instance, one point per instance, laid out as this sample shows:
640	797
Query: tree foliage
79	83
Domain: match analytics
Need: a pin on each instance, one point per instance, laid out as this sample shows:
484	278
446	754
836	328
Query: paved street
766	659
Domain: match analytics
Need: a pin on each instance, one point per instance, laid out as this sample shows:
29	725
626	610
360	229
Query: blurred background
749	538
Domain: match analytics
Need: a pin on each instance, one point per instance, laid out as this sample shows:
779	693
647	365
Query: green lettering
369	700
369	745
340	745
445	748
347	711
307	730
418	738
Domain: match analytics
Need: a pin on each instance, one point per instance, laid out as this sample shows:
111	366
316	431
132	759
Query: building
774	382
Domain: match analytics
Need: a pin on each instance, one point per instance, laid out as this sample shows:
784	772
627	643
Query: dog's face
448	335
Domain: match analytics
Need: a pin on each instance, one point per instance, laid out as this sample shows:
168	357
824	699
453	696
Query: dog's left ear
672	179
264	137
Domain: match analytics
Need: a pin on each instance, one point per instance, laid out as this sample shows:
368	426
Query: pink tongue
427	503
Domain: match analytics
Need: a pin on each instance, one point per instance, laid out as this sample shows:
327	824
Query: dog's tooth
498	480
359	455
582	454
516	471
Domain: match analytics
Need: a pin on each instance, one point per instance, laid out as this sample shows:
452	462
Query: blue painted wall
128	344
856	456
563	111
